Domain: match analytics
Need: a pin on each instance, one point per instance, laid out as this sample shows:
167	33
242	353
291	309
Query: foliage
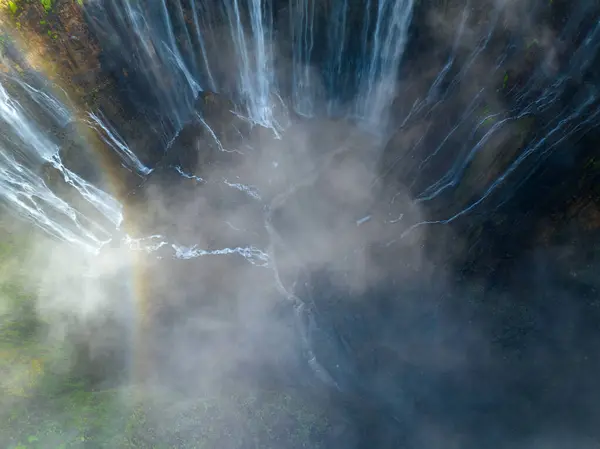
40	407
47	4
44	405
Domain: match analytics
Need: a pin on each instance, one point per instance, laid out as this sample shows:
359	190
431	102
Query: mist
299	225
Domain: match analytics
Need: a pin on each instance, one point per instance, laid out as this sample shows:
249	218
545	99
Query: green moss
533	42
47	4
488	117
12	5
592	163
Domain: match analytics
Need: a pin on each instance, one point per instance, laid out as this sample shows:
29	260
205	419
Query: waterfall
361	64
380	74
231	49
253	50
302	19
280	156
27	152
344	61
141	35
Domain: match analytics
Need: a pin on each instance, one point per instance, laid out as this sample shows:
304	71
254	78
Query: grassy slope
42	406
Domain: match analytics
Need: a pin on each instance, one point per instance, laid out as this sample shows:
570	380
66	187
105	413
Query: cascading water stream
26	150
302	17
541	93
142	35
182	58
116	142
361	66
380	75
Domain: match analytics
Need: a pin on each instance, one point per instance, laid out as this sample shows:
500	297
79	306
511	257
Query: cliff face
485	87
467	68
48	45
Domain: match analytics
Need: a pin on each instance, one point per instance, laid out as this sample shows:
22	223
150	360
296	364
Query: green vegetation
44	404
593	163
533	42
487	116
41	405
47	4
